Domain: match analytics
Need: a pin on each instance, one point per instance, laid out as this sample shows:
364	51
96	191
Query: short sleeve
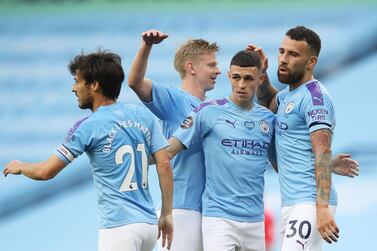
161	101
158	141
76	142
196	125
318	111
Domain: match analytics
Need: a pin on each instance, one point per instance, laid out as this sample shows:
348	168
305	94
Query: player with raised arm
305	122
196	64
119	140
236	134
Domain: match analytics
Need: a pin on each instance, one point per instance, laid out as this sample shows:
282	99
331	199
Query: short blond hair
192	48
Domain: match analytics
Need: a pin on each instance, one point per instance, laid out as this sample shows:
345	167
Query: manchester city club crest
264	126
249	125
289	107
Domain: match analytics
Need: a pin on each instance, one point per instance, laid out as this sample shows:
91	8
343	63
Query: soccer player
305	122
196	63
118	139
236	134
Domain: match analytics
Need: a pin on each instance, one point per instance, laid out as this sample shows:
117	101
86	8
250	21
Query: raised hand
152	37
264	58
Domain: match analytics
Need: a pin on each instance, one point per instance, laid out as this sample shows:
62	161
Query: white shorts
299	228
227	235
187	231
132	237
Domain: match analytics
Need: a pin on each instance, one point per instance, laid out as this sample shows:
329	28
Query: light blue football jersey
235	143
172	105
118	140
300	112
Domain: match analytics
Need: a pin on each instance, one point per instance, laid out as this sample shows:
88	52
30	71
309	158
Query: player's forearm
175	146
266	93
323	178
36	171
139	66
165	175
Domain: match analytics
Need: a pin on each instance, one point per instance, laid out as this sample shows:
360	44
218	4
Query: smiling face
296	61
83	92
245	82
206	69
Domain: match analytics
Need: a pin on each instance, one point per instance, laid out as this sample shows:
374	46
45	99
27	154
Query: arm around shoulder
175	146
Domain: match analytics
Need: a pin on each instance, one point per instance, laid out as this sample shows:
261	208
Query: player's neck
303	80
194	89
103	101
244	104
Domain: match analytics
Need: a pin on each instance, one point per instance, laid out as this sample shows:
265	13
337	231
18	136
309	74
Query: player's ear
312	62
229	76
96	86
190	68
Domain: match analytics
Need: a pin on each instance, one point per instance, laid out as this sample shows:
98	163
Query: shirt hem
292	203
239	219
152	222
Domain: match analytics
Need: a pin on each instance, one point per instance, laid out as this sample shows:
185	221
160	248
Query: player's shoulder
315	88
263	109
138	110
169	93
80	124
281	94
316	93
211	105
264	112
133	107
168	88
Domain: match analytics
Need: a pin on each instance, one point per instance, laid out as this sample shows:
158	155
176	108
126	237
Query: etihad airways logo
245	143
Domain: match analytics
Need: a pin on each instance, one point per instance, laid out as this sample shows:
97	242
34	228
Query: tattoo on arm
266	93
321	144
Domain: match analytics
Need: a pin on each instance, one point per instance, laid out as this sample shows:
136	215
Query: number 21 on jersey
127	184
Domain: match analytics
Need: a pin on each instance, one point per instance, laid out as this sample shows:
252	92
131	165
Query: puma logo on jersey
231	123
319	100
302	244
315	92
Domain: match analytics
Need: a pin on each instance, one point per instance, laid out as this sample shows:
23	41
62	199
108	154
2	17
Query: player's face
83	92
206	70
245	81
294	58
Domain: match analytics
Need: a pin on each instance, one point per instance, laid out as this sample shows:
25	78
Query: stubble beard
290	78
88	104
